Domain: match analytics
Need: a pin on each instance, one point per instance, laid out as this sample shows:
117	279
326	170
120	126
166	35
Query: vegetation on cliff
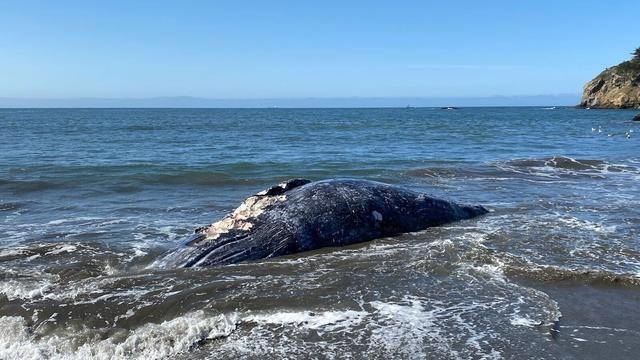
632	65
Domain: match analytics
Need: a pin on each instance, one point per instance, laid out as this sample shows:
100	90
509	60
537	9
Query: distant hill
345	102
617	87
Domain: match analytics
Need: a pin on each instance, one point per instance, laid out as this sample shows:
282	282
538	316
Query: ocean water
90	197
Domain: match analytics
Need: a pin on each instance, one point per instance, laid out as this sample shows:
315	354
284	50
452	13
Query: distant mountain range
346	102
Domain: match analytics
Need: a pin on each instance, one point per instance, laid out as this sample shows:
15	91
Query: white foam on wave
583	224
32	285
62	249
37	286
13	252
150	341
560	166
494	271
406	325
67	220
523	321
409	328
414	325
113	222
322	321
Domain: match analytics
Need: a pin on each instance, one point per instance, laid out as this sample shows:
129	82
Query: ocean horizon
302	102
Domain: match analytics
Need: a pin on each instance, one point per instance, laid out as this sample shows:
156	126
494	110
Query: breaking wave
556	167
150	341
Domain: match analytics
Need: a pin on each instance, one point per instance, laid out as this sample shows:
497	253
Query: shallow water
89	198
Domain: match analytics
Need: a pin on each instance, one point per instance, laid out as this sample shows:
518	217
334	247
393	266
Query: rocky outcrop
617	87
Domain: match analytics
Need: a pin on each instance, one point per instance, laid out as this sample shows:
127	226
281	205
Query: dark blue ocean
89	198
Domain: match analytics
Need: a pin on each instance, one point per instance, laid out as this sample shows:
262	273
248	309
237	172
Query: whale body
299	215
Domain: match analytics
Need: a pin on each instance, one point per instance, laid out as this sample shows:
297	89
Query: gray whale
299	215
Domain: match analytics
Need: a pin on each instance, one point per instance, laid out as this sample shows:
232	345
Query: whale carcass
300	215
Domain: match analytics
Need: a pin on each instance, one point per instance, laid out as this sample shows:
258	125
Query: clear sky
271	49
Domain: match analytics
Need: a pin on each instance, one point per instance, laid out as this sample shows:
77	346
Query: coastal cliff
617	87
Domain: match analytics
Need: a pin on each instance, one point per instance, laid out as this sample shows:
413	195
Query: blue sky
273	49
